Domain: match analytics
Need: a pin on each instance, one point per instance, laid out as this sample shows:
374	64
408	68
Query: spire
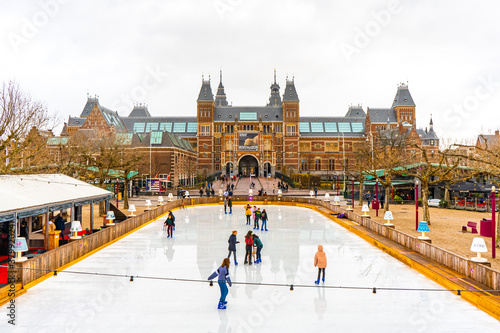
431	125
274	99
290	94
206	90
388	120
220	98
403	96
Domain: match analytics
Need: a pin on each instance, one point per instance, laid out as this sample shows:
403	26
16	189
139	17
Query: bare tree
384	157
19	114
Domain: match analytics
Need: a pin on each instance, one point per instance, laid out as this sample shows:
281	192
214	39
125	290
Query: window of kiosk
36	223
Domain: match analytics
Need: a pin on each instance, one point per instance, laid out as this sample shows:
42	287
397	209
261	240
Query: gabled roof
87	109
430	135
140	110
75	121
205	91
290	93
403	97
112	118
355	111
380	115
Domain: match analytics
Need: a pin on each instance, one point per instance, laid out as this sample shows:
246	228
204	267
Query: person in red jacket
320	262
248	247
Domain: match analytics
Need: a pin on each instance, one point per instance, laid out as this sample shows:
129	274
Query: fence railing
54	259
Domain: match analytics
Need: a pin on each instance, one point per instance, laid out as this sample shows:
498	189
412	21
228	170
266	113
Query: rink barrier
66	254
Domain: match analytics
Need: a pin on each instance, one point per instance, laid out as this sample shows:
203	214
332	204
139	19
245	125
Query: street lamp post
416	204
376	197
493	213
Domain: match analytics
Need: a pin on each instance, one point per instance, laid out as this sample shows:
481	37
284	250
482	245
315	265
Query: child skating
170	222
248	247
248	213
232	246
223	273
257	218
258	243
264	218
320	262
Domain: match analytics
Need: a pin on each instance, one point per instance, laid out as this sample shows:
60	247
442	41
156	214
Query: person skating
248	247
230	205
223	273
263	217
258	243
225	205
232	245
320	262
257	218
248	213
170	222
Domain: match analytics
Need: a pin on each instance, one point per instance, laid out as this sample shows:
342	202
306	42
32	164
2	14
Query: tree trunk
387	197
447	192
425	205
361	192
126	184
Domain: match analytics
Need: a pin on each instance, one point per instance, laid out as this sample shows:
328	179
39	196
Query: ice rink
92	303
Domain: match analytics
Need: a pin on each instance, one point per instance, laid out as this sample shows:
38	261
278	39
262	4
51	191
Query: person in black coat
232	246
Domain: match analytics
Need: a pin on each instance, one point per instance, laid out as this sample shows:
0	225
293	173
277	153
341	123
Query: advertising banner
248	141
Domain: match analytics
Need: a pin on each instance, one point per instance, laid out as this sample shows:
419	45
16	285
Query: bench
472	226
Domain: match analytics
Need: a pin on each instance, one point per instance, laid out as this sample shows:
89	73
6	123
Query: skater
315	192
263	217
258	243
257	218
223	273
320	262
248	213
248	247
232	245
225	205
230	205
170	222
254	209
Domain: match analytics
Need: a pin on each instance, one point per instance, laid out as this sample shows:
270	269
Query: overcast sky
340	53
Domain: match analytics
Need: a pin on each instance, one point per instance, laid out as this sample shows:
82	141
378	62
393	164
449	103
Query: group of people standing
254	213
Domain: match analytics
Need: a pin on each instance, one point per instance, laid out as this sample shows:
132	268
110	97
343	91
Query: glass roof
156	137
179	127
330	127
248	115
191	127
304	127
139	127
151	127
344	127
166	127
317	127
357	127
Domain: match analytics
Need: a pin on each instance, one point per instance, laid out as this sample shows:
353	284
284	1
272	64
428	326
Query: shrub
397	198
443	203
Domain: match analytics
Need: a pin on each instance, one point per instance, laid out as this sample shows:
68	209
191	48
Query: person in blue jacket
223	273
232	246
258	243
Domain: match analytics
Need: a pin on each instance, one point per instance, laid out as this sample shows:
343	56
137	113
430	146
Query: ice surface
92	303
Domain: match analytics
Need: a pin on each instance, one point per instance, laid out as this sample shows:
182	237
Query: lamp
365	211
423	228
388	216
336	200
132	210
160	200
186	194
311	194
327	197
478	246
75	227
110	216
170	197
19	247
148	204
250	192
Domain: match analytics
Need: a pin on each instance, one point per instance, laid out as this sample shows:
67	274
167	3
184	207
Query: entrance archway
267	169
229	168
249	166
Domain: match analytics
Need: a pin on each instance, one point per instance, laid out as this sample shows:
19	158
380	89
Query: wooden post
92	215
